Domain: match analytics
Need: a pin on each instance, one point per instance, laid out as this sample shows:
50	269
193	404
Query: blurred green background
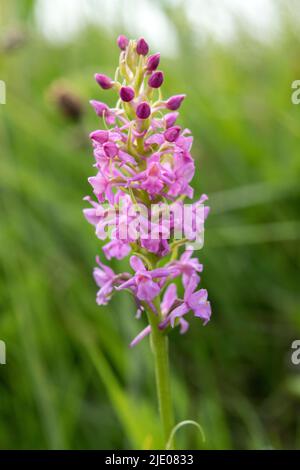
70	380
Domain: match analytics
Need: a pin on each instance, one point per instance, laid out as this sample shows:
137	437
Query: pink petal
137	264
145	332
169	298
178	312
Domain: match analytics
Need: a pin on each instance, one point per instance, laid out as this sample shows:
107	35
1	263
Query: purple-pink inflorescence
142	156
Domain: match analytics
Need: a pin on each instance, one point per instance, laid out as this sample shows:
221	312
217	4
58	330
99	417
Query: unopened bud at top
153	62
156	80
104	81
143	110
126	93
122	42
142	47
172	133
174	102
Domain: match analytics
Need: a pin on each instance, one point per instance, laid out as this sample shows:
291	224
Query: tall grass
70	379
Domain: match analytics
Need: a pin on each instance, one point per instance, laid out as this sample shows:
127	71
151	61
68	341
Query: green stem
159	344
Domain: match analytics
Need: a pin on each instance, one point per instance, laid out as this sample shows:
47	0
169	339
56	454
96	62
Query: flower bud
156	80
110	149
126	93
104	81
170	119
153	62
99	136
172	133
122	42
174	102
142	47
143	110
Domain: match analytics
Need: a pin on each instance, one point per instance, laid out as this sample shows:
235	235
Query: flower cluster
142	156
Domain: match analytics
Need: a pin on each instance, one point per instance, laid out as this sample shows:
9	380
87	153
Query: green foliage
70	379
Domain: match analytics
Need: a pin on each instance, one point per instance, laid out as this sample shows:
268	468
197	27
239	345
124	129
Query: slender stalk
159	344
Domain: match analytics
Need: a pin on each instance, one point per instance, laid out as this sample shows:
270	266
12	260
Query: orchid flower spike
142	156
